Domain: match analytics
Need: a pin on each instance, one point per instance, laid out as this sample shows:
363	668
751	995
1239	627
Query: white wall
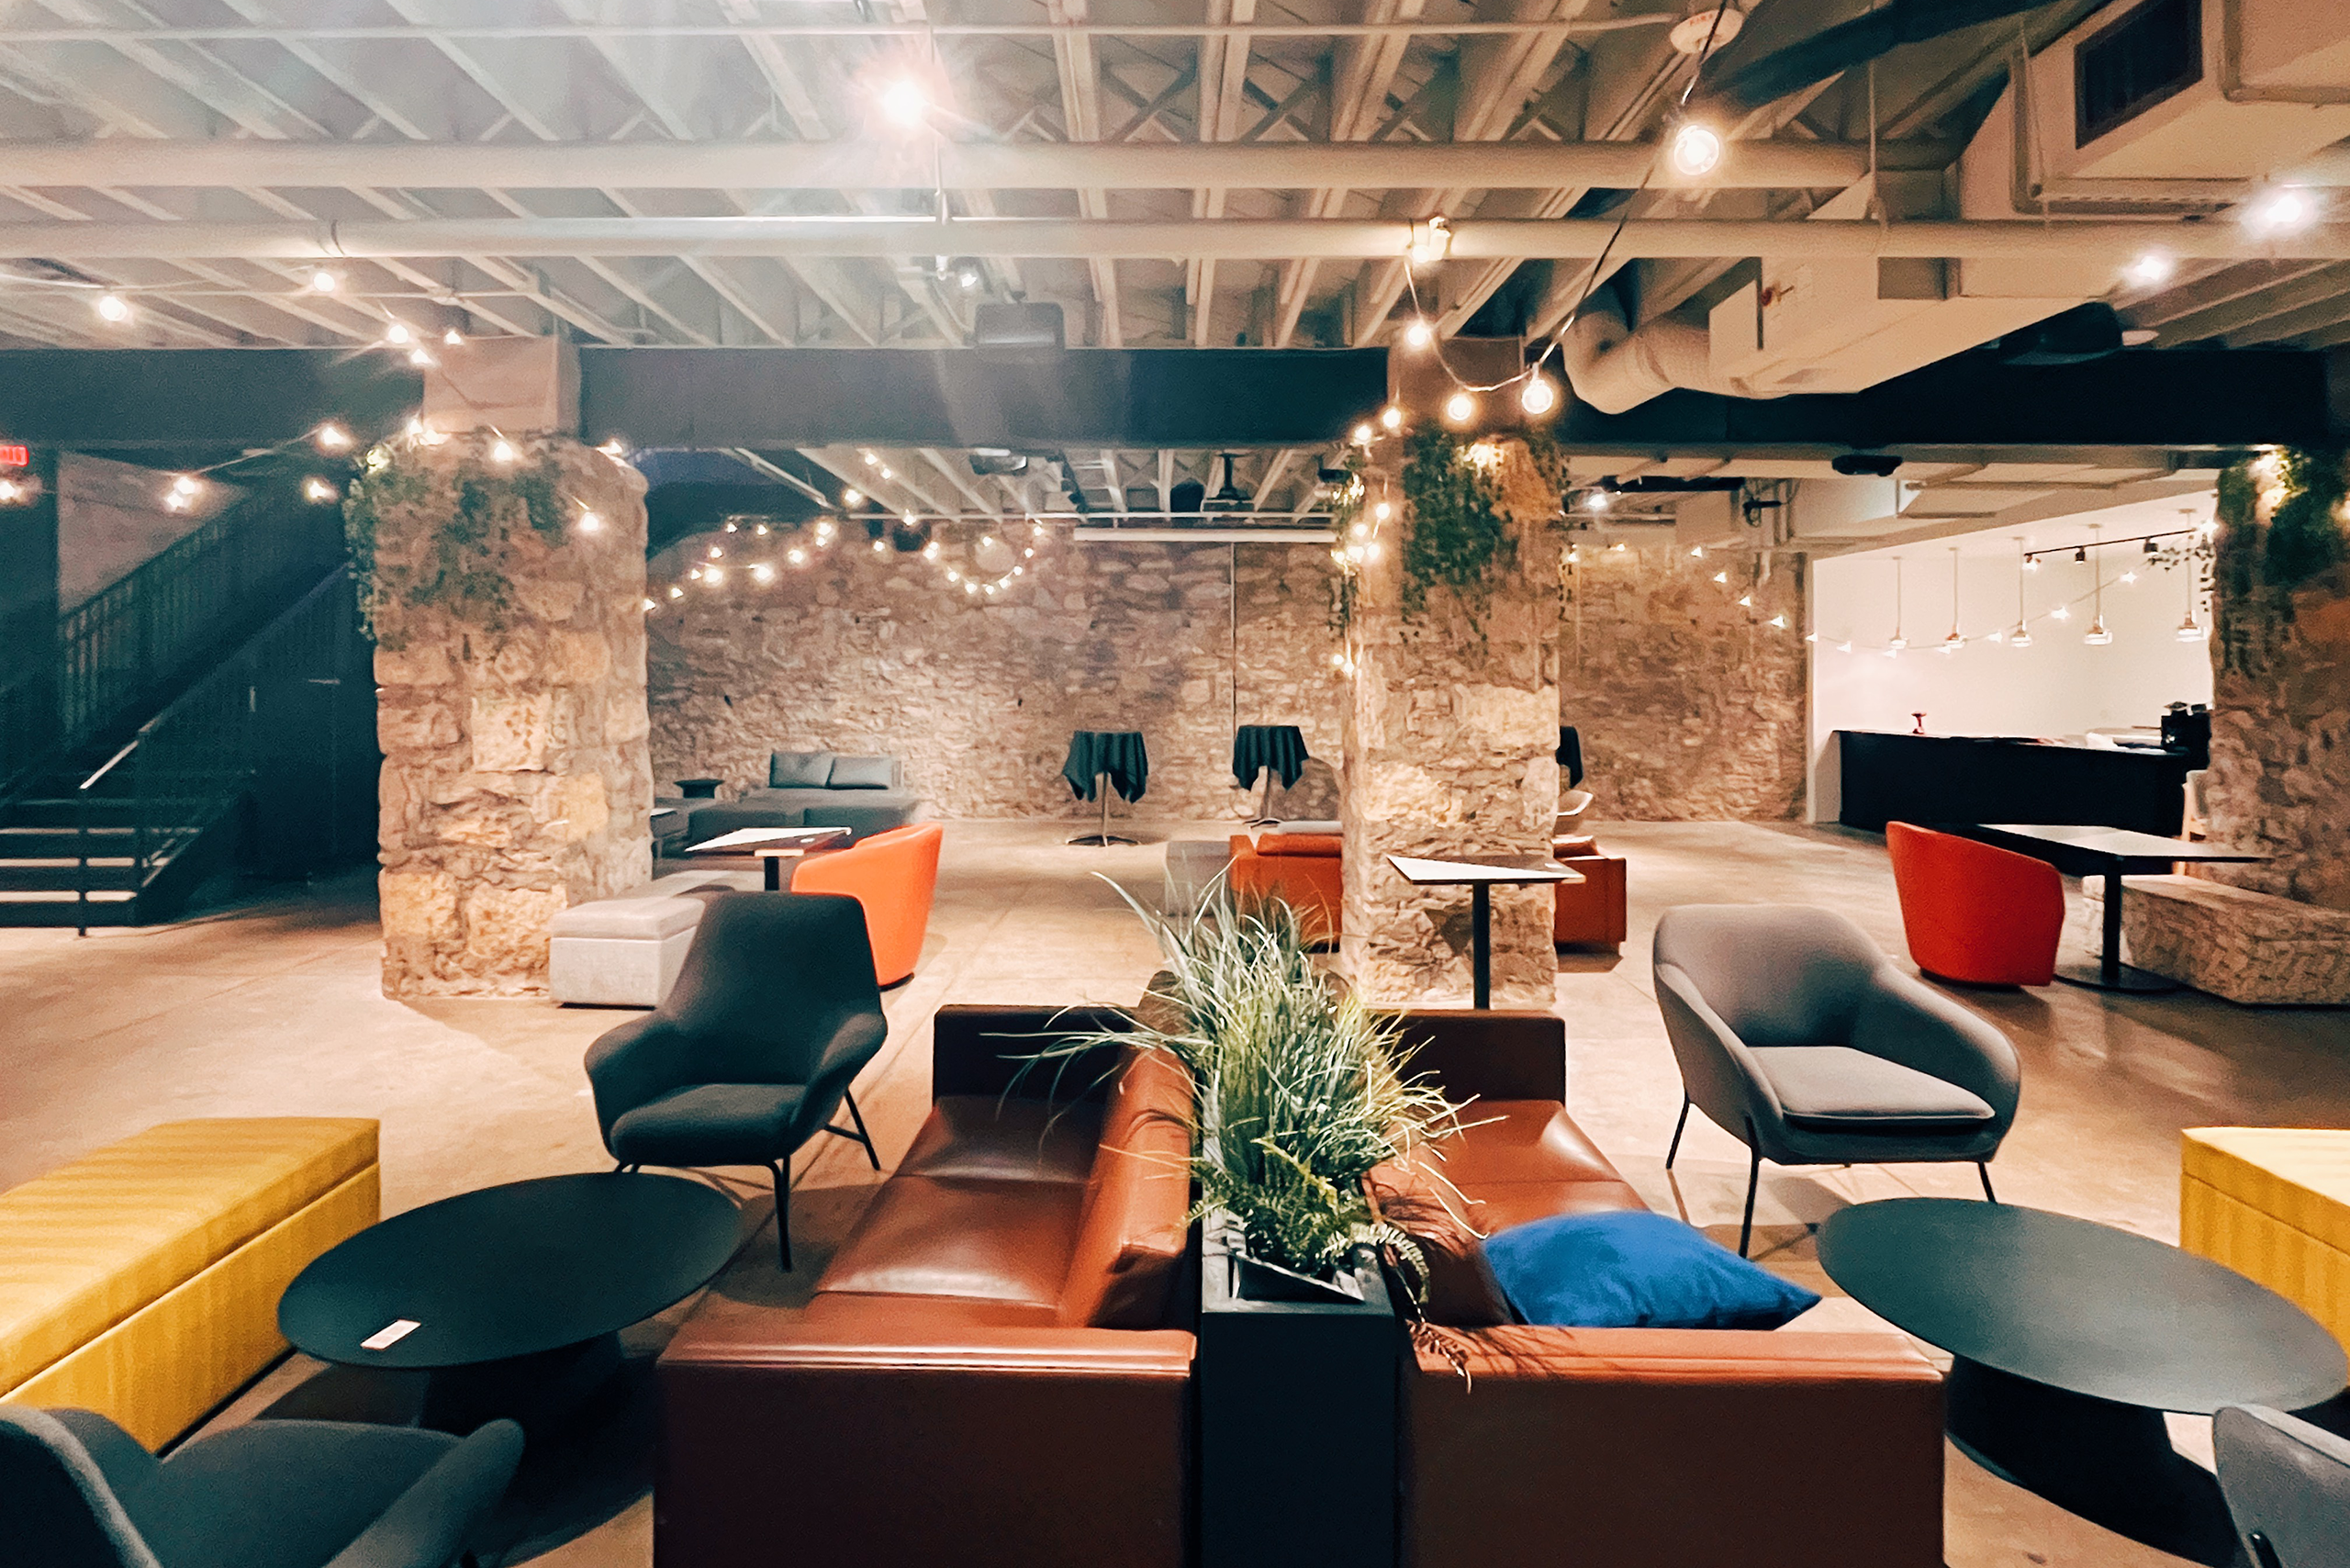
2057	687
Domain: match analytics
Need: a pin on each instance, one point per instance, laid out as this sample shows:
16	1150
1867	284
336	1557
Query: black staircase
214	708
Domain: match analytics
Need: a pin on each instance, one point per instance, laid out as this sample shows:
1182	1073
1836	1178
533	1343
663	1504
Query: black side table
1268	749
1099	761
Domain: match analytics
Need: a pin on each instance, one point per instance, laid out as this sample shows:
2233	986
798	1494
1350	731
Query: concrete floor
272	1006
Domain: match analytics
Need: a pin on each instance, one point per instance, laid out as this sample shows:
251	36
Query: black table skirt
1119	753
1281	747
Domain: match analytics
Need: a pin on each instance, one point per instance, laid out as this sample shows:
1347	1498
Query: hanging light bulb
453	338
1746	601
1391	418
1695	150
1431	240
880	547
323	281
1599	500
2190	629
502	451
420	357
1459	409
1539	397
1778	621
590	523
1362	434
112	308
1382	511
1418	334
906	104
2022	637
852	498
2062	613
332	437
398	335
762	573
318	490
1900	642
676	592
1721	576
2097	636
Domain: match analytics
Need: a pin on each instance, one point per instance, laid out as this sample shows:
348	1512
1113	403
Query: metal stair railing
192	763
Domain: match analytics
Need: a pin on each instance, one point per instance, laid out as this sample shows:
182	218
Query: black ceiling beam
955	397
158	400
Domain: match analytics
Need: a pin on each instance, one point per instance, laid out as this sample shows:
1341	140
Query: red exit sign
12	456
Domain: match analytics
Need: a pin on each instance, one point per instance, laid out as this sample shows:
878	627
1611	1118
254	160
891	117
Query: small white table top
1516	869
770	841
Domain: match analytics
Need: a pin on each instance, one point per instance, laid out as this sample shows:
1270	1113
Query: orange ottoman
1589	912
1304	870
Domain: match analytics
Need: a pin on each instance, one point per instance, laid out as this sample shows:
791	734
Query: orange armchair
1973	913
894	874
1304	871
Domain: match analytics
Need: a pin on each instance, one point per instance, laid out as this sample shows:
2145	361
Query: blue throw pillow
1635	1269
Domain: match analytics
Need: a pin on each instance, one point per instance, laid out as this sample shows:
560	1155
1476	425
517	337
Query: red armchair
1973	912
894	874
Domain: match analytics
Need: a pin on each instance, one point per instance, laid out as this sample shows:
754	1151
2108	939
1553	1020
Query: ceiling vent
1017	327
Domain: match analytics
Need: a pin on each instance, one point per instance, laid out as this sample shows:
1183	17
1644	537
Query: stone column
2279	784
1451	742
507	599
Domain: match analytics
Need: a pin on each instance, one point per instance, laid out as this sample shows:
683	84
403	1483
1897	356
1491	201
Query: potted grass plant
1300	1093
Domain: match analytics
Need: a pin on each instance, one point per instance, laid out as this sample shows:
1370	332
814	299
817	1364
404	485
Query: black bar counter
1979	778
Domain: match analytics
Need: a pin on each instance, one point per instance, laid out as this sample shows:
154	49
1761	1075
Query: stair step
24	897
64	811
61	880
55	909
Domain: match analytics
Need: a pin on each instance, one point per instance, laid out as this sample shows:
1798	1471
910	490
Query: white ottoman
622	952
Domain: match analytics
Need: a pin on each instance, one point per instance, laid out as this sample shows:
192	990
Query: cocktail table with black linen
2070	1339
507	1298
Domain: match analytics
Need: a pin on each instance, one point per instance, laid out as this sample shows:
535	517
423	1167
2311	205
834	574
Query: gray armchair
76	1491
774	1013
1798	1037
2288	1486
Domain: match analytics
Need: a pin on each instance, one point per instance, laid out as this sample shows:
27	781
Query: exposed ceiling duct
1613	368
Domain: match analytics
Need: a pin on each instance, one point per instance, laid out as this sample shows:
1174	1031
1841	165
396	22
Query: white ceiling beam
1080	82
1223	74
438	32
1253	238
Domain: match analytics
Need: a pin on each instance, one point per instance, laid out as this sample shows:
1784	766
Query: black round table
511	1297
2070	1339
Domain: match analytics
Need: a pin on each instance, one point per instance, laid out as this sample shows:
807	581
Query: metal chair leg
1674	1147
860	1135
624	1167
1983	1169
782	1211
1753	1176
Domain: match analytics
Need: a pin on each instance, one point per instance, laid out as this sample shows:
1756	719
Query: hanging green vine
2260	562
463	565
1457	532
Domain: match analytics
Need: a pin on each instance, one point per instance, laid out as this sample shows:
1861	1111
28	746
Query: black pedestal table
1269	749
2070	1339
1099	761
509	1300
2112	853
1479	873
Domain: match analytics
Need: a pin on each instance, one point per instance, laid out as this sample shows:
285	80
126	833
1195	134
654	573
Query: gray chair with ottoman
1796	1036
814	788
76	1491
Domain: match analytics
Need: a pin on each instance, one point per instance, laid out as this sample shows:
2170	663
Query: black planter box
1297	1422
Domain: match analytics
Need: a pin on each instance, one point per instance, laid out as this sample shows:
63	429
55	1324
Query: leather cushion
1838	1088
983	1136
1134	1225
709	1124
1520	1141
928	1236
1319	845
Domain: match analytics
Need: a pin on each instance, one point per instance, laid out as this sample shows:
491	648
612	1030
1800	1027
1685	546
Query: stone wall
515	779
859	651
1450	746
2279	784
1690	706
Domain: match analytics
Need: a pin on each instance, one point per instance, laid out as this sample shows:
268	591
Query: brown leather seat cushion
975	1241
1521	1140
1132	1233
990	1137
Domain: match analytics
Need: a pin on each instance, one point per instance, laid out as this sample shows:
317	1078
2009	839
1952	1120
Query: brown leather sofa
1636	1448
1304	871
996	1367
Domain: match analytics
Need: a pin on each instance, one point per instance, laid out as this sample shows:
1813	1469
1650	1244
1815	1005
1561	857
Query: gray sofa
814	788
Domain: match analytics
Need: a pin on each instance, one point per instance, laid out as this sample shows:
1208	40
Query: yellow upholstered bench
2273	1203
141	1279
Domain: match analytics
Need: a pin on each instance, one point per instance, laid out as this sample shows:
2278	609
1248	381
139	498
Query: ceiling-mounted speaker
2069	337
997	460
1872	464
1187	498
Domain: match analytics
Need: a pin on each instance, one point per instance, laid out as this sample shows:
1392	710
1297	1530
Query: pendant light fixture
2190	630
1900	642
2022	637
1955	641
2097	636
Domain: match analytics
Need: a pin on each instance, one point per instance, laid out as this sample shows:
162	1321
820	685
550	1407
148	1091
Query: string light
420	357
851	498
11	491
502	451
590	523
324	281
398	334
906	103
762	573
112	308
1459	409
453	338
1391	417
332	437
1362	434
676	592
316	489
1418	334
1696	151
1431	240
1539	397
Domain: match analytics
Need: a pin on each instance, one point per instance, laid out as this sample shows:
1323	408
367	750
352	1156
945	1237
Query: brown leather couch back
1133	1230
